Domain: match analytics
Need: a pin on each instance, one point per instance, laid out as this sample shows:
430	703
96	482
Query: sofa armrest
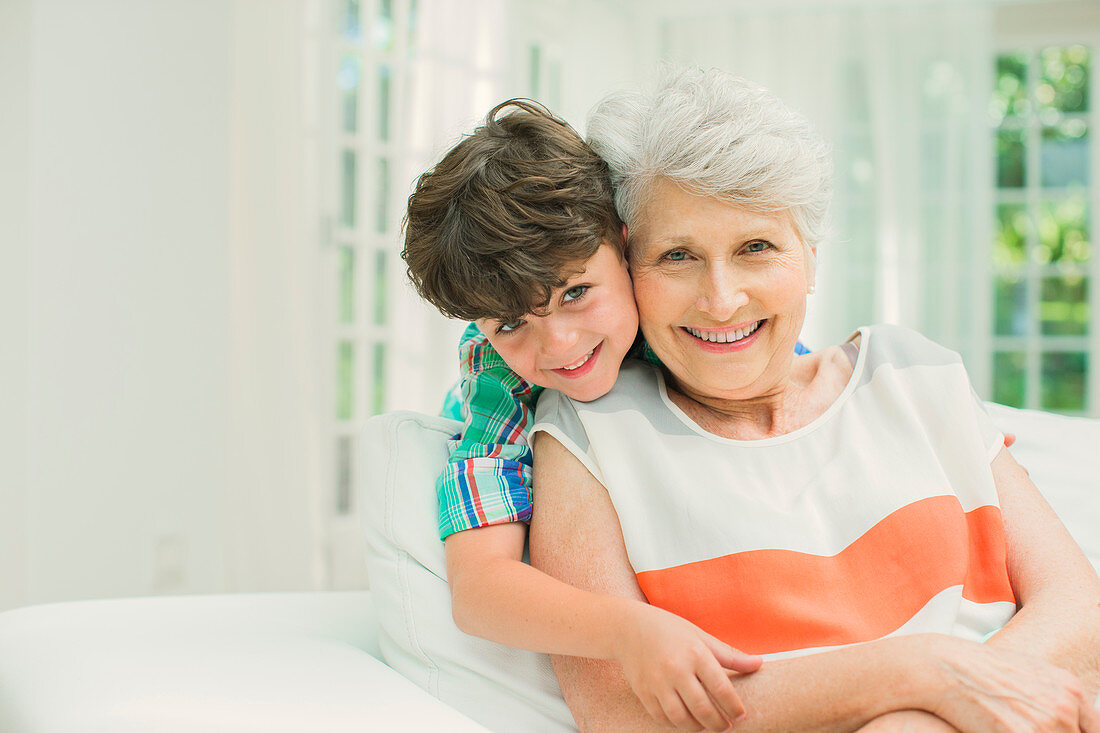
252	662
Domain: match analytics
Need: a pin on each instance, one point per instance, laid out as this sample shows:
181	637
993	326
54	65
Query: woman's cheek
643	293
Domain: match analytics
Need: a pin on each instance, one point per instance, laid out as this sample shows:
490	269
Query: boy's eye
574	293
510	327
757	246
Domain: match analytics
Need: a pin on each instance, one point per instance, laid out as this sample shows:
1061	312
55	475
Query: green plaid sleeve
487	479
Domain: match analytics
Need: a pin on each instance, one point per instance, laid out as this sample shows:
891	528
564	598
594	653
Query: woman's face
721	293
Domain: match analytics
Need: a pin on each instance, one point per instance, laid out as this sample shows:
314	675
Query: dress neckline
864	334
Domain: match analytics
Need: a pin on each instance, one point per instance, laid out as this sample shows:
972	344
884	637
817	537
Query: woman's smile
725	340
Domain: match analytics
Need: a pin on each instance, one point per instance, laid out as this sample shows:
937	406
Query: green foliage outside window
1041	251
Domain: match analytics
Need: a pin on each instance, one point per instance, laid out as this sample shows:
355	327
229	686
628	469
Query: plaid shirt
487	479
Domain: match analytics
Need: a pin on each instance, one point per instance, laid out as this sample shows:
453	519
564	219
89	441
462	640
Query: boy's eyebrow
539	310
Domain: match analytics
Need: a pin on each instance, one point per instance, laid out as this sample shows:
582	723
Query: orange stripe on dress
767	601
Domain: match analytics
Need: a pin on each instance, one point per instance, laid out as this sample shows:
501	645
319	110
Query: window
365	64
1046	313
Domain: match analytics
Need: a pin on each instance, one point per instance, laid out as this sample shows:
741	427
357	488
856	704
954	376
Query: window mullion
1093	212
1032	182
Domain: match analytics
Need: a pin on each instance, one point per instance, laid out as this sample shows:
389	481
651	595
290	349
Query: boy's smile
581	367
578	344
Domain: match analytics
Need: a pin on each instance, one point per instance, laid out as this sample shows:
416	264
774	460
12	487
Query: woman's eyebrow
673	239
766	231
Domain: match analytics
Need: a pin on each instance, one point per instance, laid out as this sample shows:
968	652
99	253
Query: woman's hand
991	689
679	672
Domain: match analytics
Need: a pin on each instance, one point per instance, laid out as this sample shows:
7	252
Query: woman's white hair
716	135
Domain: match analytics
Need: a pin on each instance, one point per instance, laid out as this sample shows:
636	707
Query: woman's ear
624	235
811	270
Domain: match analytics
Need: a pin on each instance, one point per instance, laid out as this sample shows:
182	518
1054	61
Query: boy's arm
484	494
675	669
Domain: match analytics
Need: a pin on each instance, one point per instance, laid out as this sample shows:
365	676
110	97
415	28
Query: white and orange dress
878	518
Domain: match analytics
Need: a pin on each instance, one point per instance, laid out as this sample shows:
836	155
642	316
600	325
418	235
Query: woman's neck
814	382
761	417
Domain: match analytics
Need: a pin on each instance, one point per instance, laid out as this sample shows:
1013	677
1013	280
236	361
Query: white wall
150	300
128	292
158	425
15	20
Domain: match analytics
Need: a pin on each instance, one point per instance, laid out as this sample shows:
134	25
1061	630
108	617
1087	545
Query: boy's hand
679	672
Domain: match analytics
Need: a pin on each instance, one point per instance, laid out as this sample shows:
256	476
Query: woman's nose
722	294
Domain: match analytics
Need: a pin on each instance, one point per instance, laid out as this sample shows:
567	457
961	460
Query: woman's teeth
579	364
723	337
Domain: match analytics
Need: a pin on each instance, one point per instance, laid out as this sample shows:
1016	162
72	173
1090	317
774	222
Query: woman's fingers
994	689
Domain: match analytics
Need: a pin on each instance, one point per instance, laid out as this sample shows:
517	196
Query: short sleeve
487	479
557	416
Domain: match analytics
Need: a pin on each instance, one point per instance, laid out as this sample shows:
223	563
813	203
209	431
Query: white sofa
387	659
269	663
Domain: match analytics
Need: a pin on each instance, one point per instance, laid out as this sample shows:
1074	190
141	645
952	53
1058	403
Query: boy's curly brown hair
510	213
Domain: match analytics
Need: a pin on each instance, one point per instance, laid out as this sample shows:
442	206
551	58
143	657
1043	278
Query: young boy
515	230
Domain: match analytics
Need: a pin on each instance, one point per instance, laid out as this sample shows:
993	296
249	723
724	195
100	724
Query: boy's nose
557	339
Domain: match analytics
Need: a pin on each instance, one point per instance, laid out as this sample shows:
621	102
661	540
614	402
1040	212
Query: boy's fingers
677	712
653	706
1089	719
722	691
703	709
731	658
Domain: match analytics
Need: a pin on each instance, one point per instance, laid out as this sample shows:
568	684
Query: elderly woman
850	514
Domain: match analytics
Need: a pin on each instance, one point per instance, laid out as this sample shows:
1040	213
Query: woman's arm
576	537
1055	585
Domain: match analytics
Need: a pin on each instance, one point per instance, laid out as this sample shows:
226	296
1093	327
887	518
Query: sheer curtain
900	92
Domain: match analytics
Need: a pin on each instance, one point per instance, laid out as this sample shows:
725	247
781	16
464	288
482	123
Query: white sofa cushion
504	689
510	690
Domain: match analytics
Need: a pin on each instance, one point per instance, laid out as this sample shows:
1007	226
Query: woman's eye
574	293
757	246
510	327
676	255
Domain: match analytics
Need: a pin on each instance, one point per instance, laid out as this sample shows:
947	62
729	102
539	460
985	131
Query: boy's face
579	344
